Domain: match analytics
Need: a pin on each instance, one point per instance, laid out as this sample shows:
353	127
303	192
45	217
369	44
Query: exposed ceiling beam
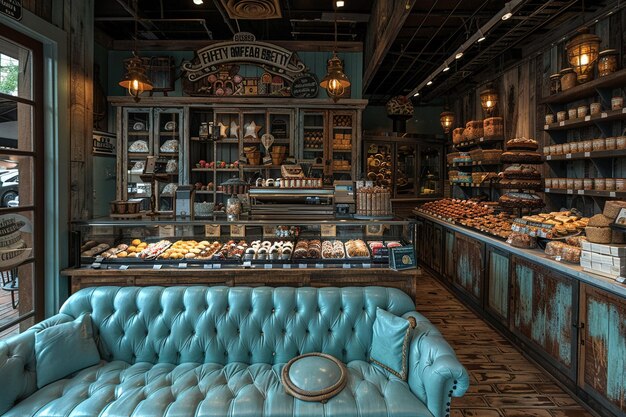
194	45
384	40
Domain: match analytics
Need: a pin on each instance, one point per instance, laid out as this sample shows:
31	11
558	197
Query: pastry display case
411	165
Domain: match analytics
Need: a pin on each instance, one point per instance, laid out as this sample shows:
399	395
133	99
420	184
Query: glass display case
264	244
411	165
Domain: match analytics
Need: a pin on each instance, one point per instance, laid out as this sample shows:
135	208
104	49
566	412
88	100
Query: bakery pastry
522	144
521	200
518	171
518	157
139	146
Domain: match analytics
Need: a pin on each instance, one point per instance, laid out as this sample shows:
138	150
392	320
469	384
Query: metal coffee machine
345	203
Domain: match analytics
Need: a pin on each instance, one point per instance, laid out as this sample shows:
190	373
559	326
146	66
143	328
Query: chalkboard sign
402	258
11	8
305	86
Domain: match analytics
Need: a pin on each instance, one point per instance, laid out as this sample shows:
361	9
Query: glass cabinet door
314	141
138	145
406	167
430	176
379	162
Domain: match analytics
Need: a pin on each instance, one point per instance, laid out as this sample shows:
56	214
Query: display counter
337	252
560	315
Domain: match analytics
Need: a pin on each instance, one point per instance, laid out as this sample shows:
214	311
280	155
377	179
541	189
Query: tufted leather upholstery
218	351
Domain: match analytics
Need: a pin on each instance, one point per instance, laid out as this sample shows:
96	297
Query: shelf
314	127
588	193
342	171
606	116
616	153
204	192
475	164
313	150
617	79
138	155
227	140
471	185
138	133
482	141
227	169
168	134
170	154
342	127
342	150
201	169
246	167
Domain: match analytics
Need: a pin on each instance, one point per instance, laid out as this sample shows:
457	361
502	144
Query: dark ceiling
430	34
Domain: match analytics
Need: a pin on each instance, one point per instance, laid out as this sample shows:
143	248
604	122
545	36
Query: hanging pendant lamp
336	81
135	80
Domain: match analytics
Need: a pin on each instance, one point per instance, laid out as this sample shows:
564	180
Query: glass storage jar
568	78
555	83
233	208
607	62
588	183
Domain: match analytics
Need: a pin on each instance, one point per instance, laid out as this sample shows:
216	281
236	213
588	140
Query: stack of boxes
608	260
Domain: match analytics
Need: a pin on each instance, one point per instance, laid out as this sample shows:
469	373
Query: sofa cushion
390	342
118	389
314	377
64	349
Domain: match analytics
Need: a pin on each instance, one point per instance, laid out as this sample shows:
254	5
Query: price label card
558	259
581	192
621	280
570	191
247	264
347	266
603	115
587	118
587	154
546	127
217	266
547	190
286	266
612	194
96	265
99	259
319	266
549	158
182	265
367	266
123	267
157	266
568	156
562	123
267	266
624	110
237	230
167	231
208	266
328	230
212	230
302	266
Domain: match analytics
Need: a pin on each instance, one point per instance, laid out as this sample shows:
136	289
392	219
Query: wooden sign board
329	230
11	8
167	231
269	231
237	230
402	258
375	229
212	230
103	143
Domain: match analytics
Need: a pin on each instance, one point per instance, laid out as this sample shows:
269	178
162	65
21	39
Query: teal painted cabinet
420	240
498	283
468	255
437	247
543	314
448	254
603	348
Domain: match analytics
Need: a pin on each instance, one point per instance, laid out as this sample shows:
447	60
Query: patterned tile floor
503	383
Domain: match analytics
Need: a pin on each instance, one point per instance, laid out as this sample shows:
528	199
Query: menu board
11	8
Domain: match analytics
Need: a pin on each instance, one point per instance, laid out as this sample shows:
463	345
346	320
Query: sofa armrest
435	374
17	363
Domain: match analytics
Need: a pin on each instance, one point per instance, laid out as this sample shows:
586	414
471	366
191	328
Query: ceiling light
447	68
459	55
198	2
482	37
508	13
340	3
416	94
429	82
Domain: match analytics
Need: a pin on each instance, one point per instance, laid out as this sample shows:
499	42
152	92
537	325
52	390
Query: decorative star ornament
223	130
234	130
252	131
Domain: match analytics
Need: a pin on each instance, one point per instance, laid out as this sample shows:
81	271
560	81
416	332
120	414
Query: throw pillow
390	342
64	349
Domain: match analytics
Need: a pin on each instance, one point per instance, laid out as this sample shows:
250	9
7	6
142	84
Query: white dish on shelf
139	126
170	126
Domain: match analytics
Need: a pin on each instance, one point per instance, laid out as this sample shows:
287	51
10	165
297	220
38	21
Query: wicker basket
451	157
476	154
491	156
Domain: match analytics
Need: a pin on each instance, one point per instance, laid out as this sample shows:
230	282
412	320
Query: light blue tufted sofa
218	351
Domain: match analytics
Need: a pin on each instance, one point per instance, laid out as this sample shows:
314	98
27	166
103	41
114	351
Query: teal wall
315	61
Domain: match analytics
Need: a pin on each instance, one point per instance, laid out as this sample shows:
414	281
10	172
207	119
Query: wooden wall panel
468	255
498	279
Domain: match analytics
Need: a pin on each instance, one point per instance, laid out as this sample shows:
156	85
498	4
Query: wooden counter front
323	277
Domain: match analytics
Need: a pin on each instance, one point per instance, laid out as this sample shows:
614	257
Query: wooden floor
7	312
503	383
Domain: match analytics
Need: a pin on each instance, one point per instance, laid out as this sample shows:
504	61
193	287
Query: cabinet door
448	254
313	125
137	143
544	303
420	240
498	282
428	243
469	266
342	149
430	169
404	180
437	247
603	348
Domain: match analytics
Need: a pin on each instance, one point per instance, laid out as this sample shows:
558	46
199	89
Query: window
21	182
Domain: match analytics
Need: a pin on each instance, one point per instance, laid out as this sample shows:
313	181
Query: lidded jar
568	78
607	62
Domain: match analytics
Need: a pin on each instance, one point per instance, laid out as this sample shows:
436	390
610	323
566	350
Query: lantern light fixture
447	120
429	82
459	55
481	37
416	94
340	3
135	80
582	53
508	13
447	68
489	100
336	81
